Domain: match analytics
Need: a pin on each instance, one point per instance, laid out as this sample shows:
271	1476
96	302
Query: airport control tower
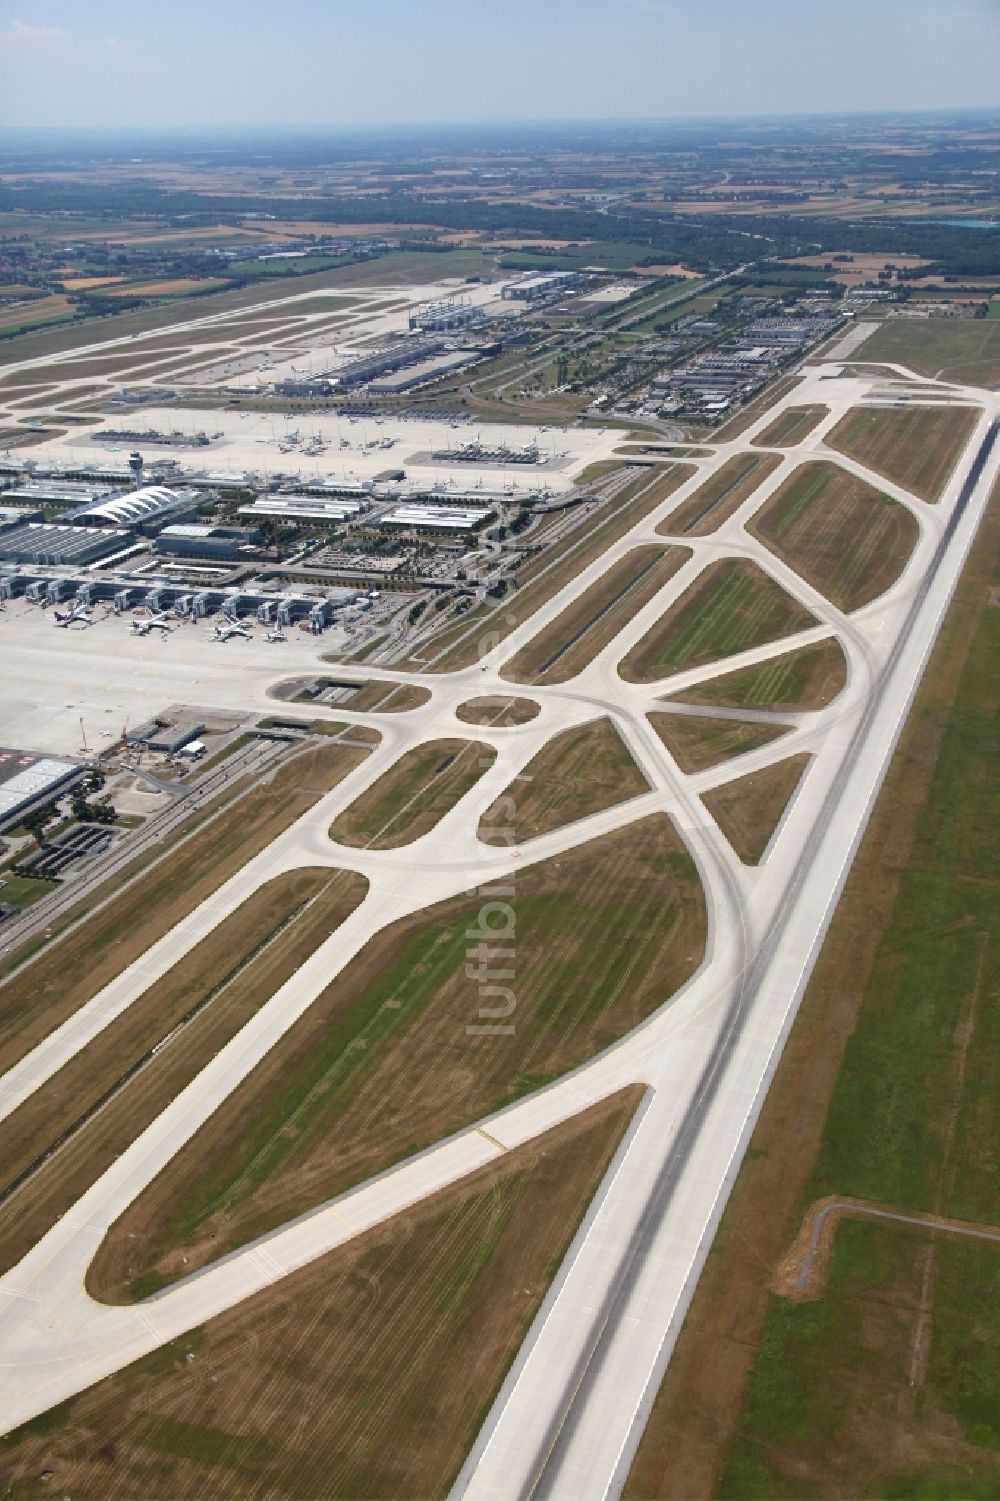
135	463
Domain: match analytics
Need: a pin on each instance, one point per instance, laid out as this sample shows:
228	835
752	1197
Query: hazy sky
320	62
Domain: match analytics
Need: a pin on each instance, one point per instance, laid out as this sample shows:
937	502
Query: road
571	1411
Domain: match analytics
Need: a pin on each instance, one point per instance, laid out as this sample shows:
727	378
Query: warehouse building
26	780
313	510
202	540
529	288
56	492
446	518
50	542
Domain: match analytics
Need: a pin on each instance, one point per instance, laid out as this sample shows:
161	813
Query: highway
570	1413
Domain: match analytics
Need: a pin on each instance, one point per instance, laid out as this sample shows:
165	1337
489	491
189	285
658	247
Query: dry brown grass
382	697
229	975
794	424
364	1375
749	809
730	607
70	972
719	497
413	795
393	1055
577	773
845	538
696	743
576	636
809	678
914	447
496	710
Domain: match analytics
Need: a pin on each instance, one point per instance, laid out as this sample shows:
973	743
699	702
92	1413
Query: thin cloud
21	34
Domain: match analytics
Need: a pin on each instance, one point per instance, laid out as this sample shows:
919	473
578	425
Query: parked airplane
152	623
275	636
223	632
70	617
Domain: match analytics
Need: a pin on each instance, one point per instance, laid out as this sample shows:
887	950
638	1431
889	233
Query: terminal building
144	510
437	518
307	510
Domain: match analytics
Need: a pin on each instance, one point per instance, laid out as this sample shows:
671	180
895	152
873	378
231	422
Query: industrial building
441	518
529	288
425	370
26	780
446	314
313	510
50	542
203	540
18	515
55	492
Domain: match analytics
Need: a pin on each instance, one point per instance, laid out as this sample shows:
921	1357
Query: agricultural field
719	497
845	538
966	349
74	1126
729	608
696	742
916	448
278	1401
500	712
39	998
793	426
413	795
809	678
382	1064
749	809
572	641
577	773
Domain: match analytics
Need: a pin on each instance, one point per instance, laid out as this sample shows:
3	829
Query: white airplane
275	636
69	617
223	632
153	623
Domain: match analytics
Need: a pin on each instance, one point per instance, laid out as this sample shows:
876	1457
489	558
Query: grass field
577	773
367	1374
915	447
809	678
576	636
393	1055
413	795
966	349
503	713
115	1086
716	500
696	742
70	972
460	645
749	809
842	536
794	424
729	608
843	1402
887	1089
